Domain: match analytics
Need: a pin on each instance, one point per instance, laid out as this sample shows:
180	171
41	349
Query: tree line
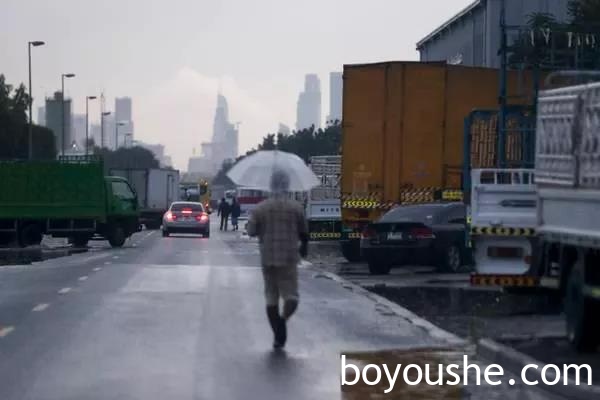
14	135
305	143
14	132
550	44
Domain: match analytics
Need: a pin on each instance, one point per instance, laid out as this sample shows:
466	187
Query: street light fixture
62	144
30	131
102	115
87	117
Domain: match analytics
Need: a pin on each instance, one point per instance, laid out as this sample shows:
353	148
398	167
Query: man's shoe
280	334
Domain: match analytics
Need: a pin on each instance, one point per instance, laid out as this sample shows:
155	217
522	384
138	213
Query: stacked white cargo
323	207
568	178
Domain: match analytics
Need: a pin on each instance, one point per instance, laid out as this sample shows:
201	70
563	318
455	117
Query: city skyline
175	57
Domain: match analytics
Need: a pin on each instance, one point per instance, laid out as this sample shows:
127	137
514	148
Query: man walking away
224	210
236	211
280	226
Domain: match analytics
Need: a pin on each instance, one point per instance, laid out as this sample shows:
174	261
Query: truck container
403	129
156	189
323	208
540	227
66	198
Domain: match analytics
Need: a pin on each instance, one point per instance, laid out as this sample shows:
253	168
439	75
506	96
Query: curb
433	330
515	361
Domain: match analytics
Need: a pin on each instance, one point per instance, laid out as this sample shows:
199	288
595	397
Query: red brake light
171	216
422	233
368	232
202	217
186	211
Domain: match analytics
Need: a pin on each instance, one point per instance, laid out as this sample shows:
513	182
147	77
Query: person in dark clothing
236	211
224	211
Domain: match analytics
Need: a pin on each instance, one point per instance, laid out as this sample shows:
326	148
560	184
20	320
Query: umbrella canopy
256	171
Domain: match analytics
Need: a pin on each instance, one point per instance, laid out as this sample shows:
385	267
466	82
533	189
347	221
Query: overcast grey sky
169	56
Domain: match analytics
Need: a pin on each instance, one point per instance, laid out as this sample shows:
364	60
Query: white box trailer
323	205
568	207
156	189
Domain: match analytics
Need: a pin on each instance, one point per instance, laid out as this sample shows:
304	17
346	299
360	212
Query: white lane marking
64	290
105	263
40	307
6	331
83	278
115	257
98	268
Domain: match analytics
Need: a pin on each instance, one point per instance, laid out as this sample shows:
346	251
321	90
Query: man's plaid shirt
278	223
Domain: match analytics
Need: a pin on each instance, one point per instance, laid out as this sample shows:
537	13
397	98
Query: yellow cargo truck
403	136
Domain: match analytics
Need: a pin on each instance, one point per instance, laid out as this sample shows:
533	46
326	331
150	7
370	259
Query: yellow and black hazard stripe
325	235
361	204
504	280
354	235
501	231
429	195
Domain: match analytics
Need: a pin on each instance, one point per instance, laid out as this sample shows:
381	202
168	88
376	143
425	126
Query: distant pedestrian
224	211
282	230
236	211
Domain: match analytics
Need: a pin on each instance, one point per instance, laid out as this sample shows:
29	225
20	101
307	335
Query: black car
432	234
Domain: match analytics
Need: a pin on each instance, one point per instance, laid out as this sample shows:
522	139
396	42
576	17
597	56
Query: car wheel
165	233
581	312
207	234
451	259
378	266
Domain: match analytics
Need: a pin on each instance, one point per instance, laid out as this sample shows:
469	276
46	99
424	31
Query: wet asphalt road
183	318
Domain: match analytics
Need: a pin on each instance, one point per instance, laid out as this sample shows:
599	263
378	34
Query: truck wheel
378	266
451	259
30	235
153	225
581	312
80	241
351	251
116	237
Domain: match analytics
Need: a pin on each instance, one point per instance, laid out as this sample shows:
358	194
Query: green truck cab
69	198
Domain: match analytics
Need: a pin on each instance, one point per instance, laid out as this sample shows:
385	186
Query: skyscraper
78	129
336	84
308	111
123	115
41	116
54	120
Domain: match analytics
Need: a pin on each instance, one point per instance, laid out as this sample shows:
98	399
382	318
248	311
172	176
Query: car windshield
424	213
195	207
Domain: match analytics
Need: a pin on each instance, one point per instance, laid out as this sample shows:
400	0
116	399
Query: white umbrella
256	170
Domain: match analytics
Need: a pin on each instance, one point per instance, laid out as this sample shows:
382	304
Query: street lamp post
87	117
62	144
30	131
102	115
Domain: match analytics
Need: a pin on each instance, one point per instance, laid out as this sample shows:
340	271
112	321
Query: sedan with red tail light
186	217
422	234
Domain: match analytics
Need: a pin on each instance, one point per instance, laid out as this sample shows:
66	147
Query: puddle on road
421	358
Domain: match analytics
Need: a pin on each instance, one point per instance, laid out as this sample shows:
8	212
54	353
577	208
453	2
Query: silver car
186	217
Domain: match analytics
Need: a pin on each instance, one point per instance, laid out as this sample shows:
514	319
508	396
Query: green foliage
536	51
305	143
14	132
128	158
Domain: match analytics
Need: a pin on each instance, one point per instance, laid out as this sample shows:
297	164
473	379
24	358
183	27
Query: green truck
69	198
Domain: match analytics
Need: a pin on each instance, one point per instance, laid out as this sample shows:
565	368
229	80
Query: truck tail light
422	233
368	232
